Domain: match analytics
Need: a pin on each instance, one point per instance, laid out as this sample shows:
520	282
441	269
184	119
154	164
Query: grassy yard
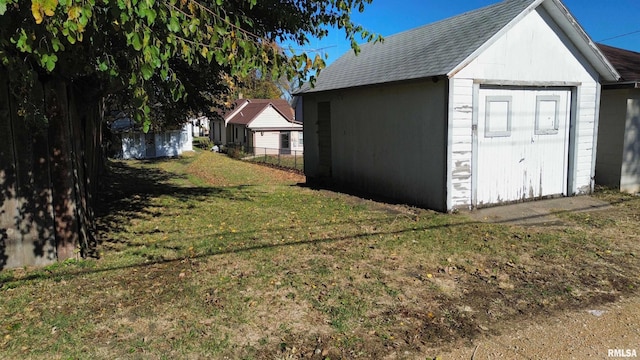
208	257
285	161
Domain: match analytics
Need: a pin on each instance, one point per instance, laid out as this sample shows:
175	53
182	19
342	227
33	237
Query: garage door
523	142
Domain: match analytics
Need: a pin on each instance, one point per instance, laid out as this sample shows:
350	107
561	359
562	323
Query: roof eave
562	16
622	85
581	39
493	39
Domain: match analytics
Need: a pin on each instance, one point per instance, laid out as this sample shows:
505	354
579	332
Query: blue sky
601	19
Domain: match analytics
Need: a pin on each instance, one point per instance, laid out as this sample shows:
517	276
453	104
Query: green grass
206	257
286	161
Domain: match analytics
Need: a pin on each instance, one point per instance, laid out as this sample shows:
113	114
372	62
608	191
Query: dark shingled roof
256	106
627	62
426	51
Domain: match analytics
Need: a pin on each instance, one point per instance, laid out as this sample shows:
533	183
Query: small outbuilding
128	141
492	106
618	159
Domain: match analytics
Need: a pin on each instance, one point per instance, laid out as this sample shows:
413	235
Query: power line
619	36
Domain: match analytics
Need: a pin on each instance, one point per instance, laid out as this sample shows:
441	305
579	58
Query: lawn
209	257
284	161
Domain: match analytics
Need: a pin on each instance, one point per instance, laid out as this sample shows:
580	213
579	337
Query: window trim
556	122
487	116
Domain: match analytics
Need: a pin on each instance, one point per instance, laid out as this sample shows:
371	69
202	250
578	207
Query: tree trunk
62	171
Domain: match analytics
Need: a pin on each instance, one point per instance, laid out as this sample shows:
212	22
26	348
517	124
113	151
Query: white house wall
133	146
533	52
388	140
218	132
266	140
297	140
618	158
271	118
630	180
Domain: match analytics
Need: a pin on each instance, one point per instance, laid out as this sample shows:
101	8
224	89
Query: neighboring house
200	126
492	106
266	125
129	142
618	159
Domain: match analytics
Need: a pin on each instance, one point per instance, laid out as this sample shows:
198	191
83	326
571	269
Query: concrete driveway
542	212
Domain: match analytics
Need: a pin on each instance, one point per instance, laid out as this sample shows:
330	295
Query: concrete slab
542	212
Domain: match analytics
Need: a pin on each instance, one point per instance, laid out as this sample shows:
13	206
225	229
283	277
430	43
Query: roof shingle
627	62
254	107
426	51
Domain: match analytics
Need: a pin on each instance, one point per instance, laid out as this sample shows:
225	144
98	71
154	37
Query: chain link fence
287	158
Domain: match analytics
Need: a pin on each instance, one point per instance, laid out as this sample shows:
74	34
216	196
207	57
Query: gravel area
606	332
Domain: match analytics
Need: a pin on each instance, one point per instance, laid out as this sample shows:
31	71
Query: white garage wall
534	52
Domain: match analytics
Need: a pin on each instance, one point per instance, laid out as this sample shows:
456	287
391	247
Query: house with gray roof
492	106
618	155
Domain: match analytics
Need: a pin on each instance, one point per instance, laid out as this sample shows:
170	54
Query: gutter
621	85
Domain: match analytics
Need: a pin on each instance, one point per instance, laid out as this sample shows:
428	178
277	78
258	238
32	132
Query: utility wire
619	36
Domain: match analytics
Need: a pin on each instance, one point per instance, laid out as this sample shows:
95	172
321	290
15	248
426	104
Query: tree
138	45
255	85
59	59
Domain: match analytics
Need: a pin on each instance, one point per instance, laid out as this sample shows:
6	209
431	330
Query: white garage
493	106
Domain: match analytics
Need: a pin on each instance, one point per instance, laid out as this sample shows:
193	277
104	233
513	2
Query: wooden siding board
461	142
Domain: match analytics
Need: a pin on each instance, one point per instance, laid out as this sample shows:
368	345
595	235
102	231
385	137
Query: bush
235	152
203	143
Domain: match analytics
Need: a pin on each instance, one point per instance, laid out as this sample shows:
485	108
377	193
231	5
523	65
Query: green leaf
51	62
102	66
147	71
146	125
136	41
174	25
3	7
151	16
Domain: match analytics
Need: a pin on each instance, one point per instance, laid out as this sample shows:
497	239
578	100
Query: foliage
152	49
258	86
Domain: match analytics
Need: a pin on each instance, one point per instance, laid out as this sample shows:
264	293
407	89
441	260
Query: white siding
618	158
271	118
630	181
170	143
297	141
133	146
266	139
460	143
533	52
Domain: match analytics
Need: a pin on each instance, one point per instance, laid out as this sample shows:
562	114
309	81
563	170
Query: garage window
498	116
547	113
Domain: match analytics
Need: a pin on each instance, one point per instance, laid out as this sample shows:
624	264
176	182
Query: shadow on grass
150	263
128	193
